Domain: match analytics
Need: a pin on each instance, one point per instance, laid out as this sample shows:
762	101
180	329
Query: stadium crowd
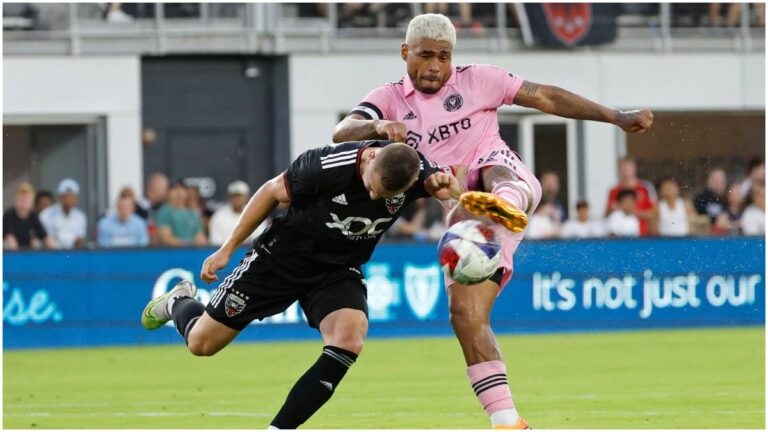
176	215
477	17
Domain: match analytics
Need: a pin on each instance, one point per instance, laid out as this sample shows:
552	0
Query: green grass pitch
705	378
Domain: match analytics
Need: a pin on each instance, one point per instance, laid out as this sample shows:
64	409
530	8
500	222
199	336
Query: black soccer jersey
332	221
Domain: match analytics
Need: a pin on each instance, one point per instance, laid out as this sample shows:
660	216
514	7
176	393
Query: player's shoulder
332	155
479	69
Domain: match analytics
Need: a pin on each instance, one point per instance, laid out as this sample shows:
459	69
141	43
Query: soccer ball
469	252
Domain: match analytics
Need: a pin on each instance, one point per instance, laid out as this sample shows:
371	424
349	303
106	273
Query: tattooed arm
560	102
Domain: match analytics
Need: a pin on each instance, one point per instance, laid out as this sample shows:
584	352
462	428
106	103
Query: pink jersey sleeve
377	105
496	84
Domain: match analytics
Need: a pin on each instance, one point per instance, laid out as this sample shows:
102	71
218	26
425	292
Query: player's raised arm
371	119
561	102
357	128
261	204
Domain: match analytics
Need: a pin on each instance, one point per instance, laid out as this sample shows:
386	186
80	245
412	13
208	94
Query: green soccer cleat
156	312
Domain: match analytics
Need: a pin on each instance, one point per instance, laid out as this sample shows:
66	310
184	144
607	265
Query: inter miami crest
394	203
233	305
453	102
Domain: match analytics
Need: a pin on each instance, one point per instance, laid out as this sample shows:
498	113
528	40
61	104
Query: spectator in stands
544	223
464	19
671	214
225	218
753	218
21	226
550	190
582	226
123	228
43	200
732	17
755	174
644	193
157	193
64	222
710	201
623	222
199	206
176	224
734	208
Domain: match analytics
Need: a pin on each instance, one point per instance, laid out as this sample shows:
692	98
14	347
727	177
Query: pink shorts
509	241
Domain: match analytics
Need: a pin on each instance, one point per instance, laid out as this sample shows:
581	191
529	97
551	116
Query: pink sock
489	381
516	193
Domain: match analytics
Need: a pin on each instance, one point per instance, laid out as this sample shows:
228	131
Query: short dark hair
397	164
626	192
43	194
582	204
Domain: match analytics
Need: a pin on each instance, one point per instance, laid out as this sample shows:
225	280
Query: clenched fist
634	121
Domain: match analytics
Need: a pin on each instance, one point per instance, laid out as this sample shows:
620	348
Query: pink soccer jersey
458	125
455	125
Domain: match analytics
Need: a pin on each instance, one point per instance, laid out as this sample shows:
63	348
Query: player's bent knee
201	347
351	336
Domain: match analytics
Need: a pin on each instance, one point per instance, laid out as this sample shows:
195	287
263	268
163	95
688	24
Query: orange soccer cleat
495	208
521	424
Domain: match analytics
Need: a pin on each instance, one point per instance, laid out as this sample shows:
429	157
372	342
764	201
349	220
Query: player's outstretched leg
508	200
343	333
470	311
204	335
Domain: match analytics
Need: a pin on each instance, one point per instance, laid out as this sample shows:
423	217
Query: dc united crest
453	102
394	203
233	305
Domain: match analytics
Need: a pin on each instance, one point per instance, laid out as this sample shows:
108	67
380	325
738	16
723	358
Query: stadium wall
65	90
323	87
90	298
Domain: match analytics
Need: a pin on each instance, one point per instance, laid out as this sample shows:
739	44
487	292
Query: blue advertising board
90	298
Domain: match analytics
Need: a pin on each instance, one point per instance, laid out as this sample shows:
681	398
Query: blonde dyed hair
430	26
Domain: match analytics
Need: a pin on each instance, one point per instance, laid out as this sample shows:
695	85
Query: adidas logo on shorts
340	199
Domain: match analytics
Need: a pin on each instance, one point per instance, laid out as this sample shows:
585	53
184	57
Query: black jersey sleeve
426	169
303	178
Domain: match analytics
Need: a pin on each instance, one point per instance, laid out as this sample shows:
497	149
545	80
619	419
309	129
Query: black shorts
254	290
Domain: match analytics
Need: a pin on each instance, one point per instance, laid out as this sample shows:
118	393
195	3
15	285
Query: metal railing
269	28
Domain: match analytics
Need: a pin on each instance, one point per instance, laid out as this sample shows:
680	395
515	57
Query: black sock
185	312
314	388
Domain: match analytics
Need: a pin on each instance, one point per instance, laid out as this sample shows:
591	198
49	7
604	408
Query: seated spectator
671	213
544	223
156	194
582	226
199	206
755	173
732	16
176	224
21	225
43	200
224	219
64	222
711	200
727	222
550	190
644	193
464	12
623	221
123	228
753	218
